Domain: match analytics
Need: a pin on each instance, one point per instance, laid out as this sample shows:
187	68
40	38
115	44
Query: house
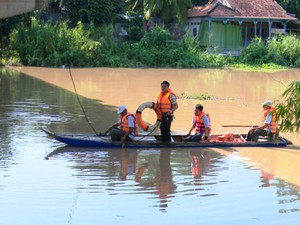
231	24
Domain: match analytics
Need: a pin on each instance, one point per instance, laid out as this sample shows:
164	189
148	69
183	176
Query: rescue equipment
139	120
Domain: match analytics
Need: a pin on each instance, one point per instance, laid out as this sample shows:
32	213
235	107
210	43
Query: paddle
237	125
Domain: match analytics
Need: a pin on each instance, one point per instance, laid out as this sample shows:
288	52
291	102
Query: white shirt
268	118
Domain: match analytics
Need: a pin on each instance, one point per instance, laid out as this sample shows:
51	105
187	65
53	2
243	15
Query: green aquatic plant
204	96
288	111
197	96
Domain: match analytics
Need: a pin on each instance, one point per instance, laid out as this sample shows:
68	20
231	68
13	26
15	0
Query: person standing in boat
269	125
167	104
201	122
127	124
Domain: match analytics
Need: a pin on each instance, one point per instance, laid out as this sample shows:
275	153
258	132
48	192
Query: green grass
269	67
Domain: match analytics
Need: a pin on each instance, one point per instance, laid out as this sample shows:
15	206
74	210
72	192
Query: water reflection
159	176
165	175
201	162
104	186
128	161
149	171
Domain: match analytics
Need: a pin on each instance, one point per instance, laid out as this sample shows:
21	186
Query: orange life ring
139	120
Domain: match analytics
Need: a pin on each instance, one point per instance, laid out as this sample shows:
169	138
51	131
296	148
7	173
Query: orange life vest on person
199	125
124	123
273	124
163	101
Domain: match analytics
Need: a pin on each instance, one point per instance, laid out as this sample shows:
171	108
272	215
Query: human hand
123	139
205	138
170	113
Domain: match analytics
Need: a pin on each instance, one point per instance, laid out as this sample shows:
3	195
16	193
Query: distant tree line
291	6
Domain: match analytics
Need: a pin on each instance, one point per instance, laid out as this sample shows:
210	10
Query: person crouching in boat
269	125
201	122
127	124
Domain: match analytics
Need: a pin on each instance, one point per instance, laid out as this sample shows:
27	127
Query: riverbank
270	67
46	45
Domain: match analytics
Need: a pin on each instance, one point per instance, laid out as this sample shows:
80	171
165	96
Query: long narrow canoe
102	141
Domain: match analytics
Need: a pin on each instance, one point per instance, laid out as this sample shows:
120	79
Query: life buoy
139	120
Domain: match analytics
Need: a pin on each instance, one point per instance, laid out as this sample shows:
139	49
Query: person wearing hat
167	104
268	126
127	124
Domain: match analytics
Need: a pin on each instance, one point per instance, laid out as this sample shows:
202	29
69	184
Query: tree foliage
291	6
97	11
168	10
288	111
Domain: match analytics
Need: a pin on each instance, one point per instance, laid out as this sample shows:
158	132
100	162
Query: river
44	182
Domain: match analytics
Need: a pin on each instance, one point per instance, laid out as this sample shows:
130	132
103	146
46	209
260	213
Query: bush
43	44
284	50
54	45
280	50
255	52
156	38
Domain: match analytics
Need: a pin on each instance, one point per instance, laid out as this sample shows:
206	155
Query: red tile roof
241	9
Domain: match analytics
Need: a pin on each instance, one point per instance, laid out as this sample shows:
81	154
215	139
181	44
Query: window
195	32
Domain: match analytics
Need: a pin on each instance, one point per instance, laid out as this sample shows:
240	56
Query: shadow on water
27	104
57	108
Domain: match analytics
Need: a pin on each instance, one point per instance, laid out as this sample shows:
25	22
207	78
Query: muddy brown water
238	94
96	186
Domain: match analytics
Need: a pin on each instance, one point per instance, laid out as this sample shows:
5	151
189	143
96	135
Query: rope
148	133
84	113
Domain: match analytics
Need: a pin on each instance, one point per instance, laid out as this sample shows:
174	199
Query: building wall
246	34
194	26
10	8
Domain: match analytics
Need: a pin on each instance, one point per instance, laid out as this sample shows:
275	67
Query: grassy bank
257	67
44	44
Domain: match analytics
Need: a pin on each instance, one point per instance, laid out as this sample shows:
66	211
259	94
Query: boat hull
86	140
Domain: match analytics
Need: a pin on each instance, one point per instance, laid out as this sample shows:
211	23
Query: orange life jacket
273	124
163	101
199	125
124	123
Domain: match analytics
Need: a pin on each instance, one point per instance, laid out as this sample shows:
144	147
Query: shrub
255	52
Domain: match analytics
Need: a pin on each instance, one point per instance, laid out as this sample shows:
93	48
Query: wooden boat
154	141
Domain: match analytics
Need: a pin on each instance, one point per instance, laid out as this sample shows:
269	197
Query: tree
291	6
97	11
168	10
288	111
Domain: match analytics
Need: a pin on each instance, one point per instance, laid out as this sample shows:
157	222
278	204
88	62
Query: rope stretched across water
84	113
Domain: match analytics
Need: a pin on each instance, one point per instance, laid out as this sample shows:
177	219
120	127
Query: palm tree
167	10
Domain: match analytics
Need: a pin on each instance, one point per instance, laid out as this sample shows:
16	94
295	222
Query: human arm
115	125
174	104
266	123
174	108
206	122
131	124
193	126
129	131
